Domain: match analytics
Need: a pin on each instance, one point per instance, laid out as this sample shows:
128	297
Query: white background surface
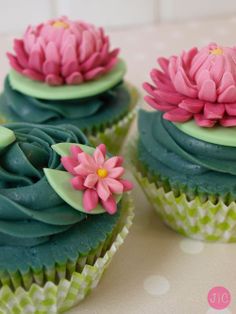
16	14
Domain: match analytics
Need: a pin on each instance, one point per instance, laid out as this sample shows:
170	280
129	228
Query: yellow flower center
102	173
217	51
60	24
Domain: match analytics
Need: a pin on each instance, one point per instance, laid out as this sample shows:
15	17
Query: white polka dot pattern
156	285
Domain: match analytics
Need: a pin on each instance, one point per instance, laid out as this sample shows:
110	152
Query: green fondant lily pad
216	135
7	137
60	181
91	88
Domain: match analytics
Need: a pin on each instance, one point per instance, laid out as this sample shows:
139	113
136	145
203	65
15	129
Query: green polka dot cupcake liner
195	216
114	136
59	289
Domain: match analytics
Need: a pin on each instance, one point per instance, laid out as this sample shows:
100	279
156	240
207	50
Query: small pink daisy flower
99	178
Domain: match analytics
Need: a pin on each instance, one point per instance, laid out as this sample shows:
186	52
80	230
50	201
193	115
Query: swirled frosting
183	160
30	210
83	113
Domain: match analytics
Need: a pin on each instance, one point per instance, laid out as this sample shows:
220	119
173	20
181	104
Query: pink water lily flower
99	178
62	51
198	84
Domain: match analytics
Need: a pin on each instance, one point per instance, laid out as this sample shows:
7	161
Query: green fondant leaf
60	182
7	137
63	149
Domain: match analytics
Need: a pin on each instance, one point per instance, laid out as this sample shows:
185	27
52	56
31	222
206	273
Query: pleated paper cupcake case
198	217
57	298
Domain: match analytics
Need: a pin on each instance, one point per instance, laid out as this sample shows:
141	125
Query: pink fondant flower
199	84
99	178
63	52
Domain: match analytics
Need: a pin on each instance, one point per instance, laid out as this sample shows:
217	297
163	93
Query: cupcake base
197	218
77	280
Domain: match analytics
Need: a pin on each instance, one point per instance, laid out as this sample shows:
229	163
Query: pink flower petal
87	161
227	81
192	105
54	80
51	67
75	150
36	60
94	73
78	183
69	68
171	98
52	53
154	104
203	122
103	149
92	62
33	75
91	180
183	85
82	170
164	63
110	65
14	63
197	63
114	53
228	122
103	190
207	91
69	163
69	54
90	199
119	161
87	46
228	95
162	81
114	185
110	205
111	162
217	70
127	185
22	56
214	111
178	115
116	172
98	157
74	79
230	109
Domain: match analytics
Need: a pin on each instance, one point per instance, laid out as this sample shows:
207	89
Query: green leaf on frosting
60	180
7	137
63	149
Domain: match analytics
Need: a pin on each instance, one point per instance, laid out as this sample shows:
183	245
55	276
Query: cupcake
186	150
64	72
63	215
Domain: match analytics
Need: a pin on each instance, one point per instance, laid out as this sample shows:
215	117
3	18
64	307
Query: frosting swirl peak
30	210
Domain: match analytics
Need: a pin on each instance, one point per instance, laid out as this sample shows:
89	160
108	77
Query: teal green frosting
85	113
185	160
36	226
